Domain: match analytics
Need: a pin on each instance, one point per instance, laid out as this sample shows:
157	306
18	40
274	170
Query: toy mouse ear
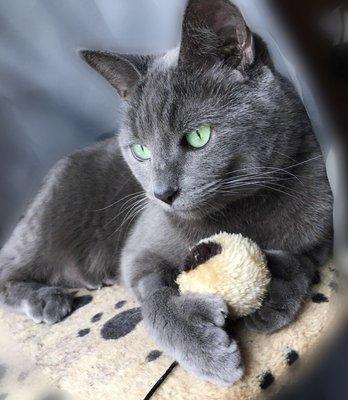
122	72
215	30
200	254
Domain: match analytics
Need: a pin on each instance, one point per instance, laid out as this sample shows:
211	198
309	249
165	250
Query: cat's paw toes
110	281
204	348
215	357
291	277
48	305
203	309
279	309
221	361
267	320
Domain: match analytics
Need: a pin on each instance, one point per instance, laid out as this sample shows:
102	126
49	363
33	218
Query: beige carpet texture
102	351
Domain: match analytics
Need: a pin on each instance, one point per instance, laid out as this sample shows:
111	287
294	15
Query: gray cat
215	140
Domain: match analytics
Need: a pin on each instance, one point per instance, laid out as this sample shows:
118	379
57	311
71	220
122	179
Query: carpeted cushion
102	351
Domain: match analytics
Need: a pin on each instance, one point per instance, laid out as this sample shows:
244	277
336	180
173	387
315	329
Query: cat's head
203	119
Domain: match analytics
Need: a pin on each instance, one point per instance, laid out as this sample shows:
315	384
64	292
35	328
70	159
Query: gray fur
261	174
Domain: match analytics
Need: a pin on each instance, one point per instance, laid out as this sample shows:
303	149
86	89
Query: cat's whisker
207	188
136	212
119	200
271	173
246	180
125	209
130	216
277	190
135	198
268	180
133	207
268	175
261	184
275	169
118	229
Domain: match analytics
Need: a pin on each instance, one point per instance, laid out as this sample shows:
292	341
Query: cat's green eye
140	152
199	137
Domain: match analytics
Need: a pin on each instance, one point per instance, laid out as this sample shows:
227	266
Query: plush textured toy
228	265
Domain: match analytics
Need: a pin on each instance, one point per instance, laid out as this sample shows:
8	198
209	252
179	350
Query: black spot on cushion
3	396
121	324
120	304
3	370
81	301
316	278
266	380
319	298
83	332
22	376
153	355
96	317
291	357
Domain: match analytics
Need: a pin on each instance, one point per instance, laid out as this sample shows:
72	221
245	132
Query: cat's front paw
287	290
278	310
48	305
202	346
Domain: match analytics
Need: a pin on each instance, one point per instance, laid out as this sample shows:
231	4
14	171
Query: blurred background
51	103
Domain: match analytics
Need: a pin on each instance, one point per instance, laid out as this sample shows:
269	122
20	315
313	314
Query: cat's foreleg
59	242
191	327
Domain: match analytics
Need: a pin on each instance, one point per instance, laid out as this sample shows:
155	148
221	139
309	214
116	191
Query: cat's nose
167	195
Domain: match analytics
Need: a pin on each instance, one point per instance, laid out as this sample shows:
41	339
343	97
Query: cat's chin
190	213
186	214
183	213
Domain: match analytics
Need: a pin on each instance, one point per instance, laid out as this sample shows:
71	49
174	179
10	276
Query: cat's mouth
187	211
175	207
193	213
192	209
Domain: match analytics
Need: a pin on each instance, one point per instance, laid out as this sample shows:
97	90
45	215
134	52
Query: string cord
160	381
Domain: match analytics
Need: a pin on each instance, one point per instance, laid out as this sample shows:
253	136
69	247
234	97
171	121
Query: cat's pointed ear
122	72
215	30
